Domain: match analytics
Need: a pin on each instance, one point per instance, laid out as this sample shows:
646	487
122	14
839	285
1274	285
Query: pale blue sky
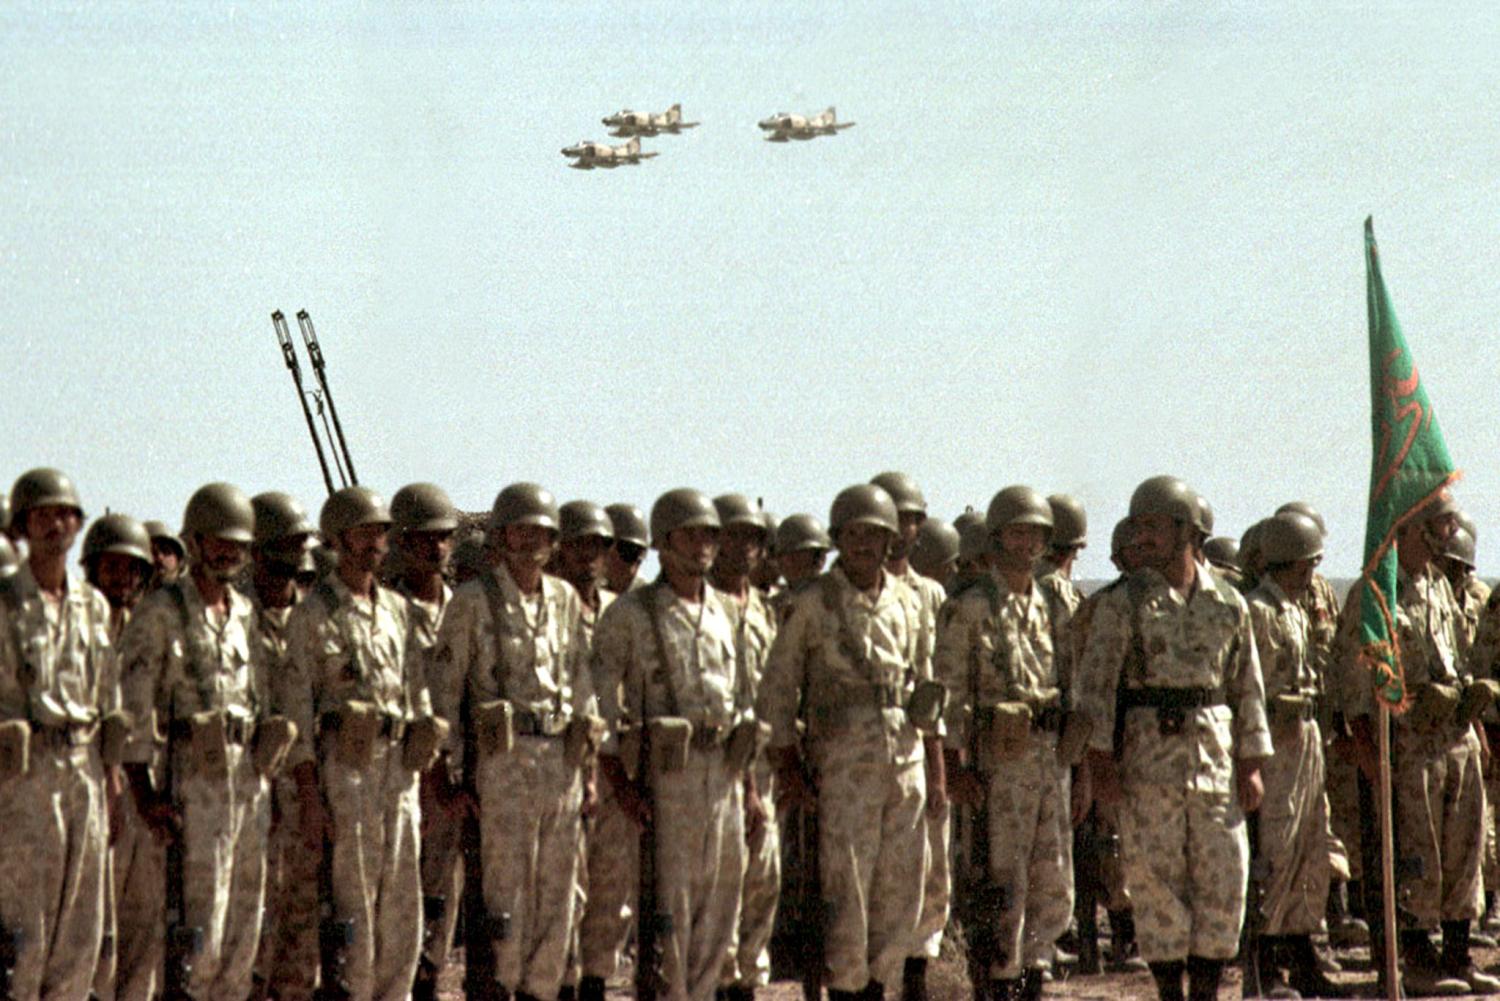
1066	249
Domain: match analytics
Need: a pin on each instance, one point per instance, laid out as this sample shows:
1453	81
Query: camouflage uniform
1184	845
1341	775
853	658
341	649
699	811
57	671
994	645
1483	660
536	659
1437	789
1294	812
177	659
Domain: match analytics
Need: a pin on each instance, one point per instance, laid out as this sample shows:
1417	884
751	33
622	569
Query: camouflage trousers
225	821
872	848
1438	795
700	866
1294	837
1342	784
290	943
761	892
1031	855
52	872
613	855
375	870
1187	858
937	885
104	969
529	815
442	877
140	871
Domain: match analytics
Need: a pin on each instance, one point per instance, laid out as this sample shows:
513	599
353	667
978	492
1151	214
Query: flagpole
1387	859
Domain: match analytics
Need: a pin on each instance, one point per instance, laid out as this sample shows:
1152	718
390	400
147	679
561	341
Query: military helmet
1166	495
1120	537
349	508
1466	522
4	513
801	531
423	507
42	488
524	504
1205	522
280	518
1070	524
736	509
973	536
863	503
220	511
471	557
1303	507
9	561
582	519
681	508
936	547
1251	558
1289	537
1018	505
1222	551
1443	505
116	533
903	490
1460	546
772	523
629	522
158	531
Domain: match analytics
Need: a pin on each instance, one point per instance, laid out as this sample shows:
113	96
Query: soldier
1223	555
280	552
188	657
802	544
1293	822
168	556
935	553
117	561
1457	564
365	731
1191	732
996	656
1069	538
767	576
1484	662
512	642
973	550
742	549
623	561
666	669
57	681
849	650
424	522
1437	788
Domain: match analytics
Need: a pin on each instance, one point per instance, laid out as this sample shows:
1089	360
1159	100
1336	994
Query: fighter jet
783	126
642	123
589	154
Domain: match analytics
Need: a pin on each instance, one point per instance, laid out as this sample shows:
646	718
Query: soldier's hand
1251	789
1104	779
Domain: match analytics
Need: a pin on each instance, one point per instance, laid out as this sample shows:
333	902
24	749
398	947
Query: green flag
1410	468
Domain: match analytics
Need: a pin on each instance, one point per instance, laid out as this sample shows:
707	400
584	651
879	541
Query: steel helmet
801	531
1460	546
1251	558
349	508
772	523
1288	538
1222	551
973	536
423	507
220	511
629	523
1205	521
1303	507
1120	537
42	488
280	518
1169	496
903	490
681	508
1070	525
582	519
116	533
1018	505
736	509
159	532
935	548
524	504
863	503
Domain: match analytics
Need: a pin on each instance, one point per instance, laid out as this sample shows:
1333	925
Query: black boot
424	987
1031	986
1458	963
914	979
591	989
1088	943
1124	954
1203	978
874	991
1307	975
1345	931
1168	978
735	992
1005	990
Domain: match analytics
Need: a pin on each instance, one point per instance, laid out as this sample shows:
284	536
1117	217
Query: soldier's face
166	558
1158	538
221	559
427	552
621	564
120	578
363	549
1019	547
529	544
798	566
864	547
584	557
910	522
51	529
692	550
741	549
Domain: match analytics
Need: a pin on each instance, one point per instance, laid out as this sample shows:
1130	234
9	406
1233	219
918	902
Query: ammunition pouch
495	727
581	739
354	727
1478	696
114	734
1004	733
425	737
925	707
335	942
273	741
1433	705
746	740
669	738
1076	731
207	738
15	749
1288	708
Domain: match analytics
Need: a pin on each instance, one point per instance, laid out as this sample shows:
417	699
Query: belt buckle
1170	720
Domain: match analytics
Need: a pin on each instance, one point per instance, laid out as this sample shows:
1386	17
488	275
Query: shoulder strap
849	643
655	601
1135	595
496	600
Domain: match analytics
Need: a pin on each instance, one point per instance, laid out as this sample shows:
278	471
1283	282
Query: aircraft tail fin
634	146
674	114
828	117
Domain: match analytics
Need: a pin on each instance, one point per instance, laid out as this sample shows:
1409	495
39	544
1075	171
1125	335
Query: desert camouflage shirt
57	666
1283	639
1427	627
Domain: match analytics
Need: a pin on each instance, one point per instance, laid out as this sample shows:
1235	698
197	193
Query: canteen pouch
495	727
1289	707
747	739
669	740
926	705
15	749
1076	731
114	733
1434	705
581	738
1477	697
1009	731
208	744
274	738
357	727
424	738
